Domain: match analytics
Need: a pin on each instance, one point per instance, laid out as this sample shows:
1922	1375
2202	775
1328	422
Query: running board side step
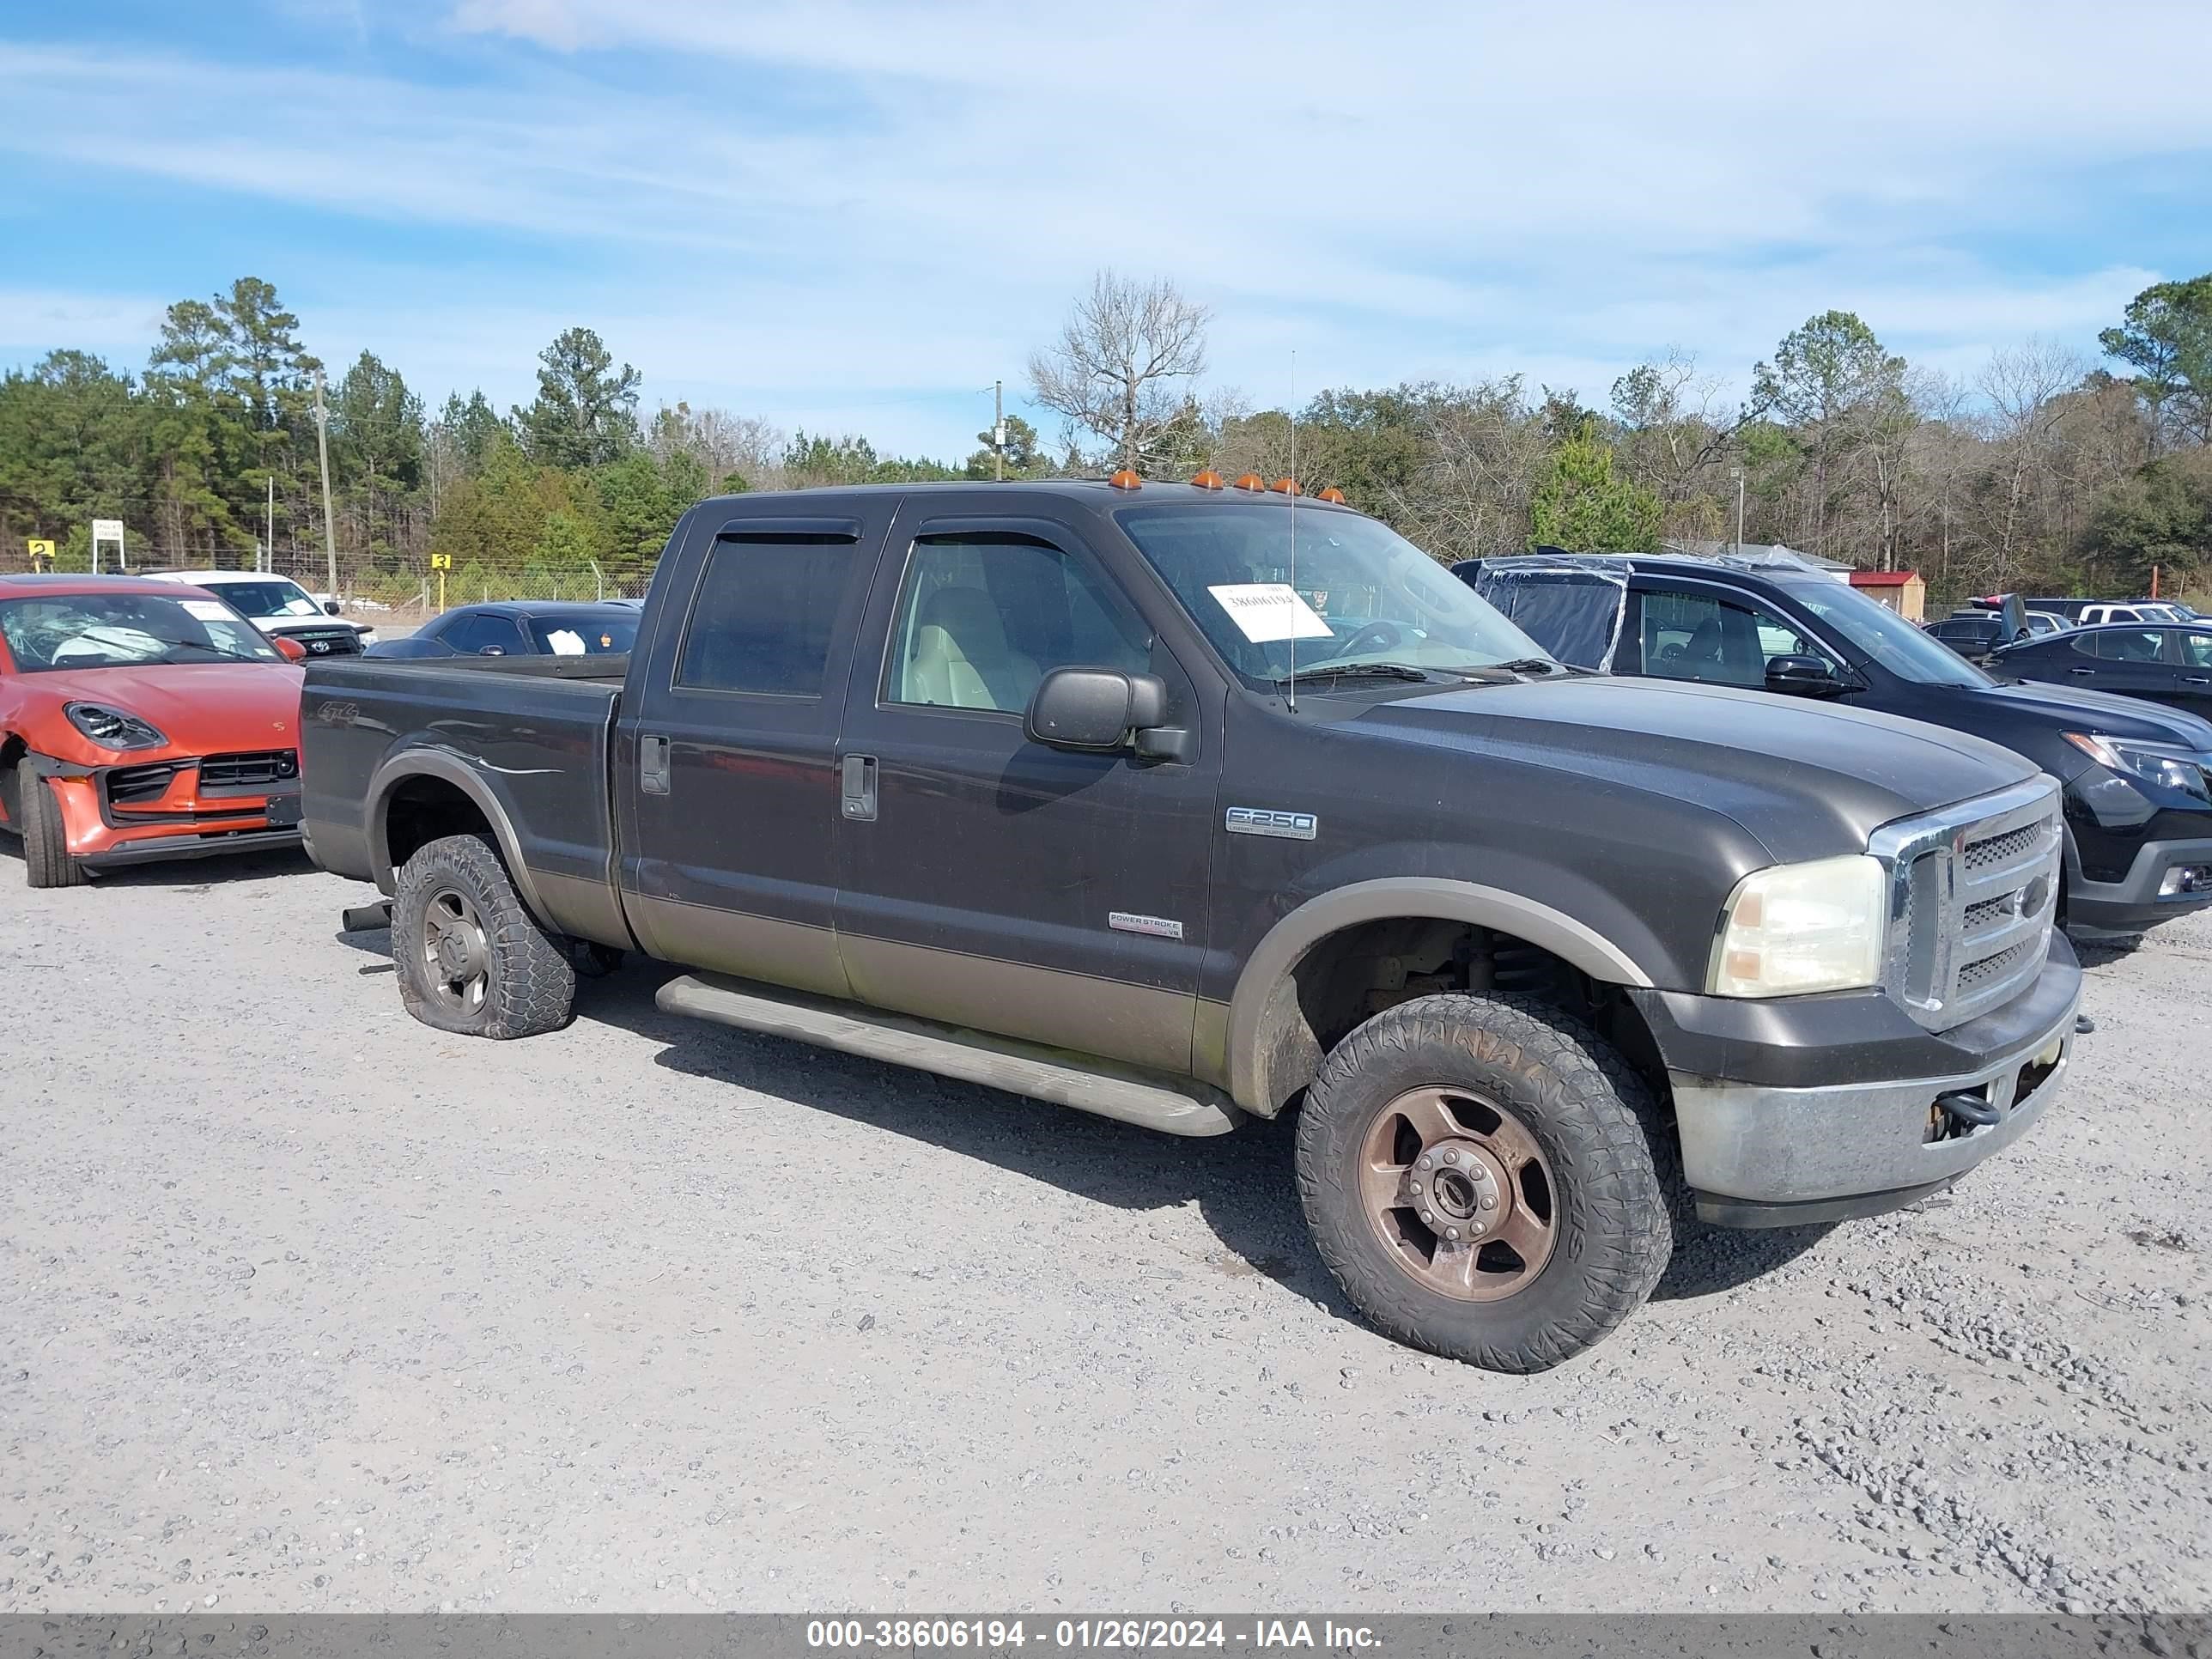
1175	1106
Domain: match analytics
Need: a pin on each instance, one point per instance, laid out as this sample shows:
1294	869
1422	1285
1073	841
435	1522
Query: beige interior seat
961	657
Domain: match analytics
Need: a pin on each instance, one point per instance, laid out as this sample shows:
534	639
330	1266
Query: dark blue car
522	628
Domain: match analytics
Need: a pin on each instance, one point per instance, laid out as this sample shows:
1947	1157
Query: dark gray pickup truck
1186	805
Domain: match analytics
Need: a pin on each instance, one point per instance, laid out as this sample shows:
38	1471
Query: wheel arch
1272	1049
450	797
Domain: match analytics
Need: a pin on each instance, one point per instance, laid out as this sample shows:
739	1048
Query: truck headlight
112	728
1792	928
2170	767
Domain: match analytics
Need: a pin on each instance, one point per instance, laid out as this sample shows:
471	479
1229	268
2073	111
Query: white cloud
826	200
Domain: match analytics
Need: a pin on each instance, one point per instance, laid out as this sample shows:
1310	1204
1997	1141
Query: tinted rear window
765	614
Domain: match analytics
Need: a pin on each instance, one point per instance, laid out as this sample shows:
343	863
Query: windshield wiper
1359	671
220	650
1531	665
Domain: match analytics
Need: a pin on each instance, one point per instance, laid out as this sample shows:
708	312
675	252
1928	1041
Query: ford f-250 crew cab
1187	805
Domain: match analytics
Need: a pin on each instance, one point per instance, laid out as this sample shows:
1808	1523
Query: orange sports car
140	720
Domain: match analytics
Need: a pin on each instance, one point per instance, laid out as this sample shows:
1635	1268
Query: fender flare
446	768
1389	898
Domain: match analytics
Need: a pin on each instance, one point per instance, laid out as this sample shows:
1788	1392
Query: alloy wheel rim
1458	1193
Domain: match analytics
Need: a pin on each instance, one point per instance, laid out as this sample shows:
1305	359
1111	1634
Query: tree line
2041	471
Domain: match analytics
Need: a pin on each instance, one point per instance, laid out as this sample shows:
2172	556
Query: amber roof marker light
1126	479
1209	479
1284	487
1251	481
1331	494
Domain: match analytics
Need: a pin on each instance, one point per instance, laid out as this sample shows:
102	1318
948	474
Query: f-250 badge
1267	820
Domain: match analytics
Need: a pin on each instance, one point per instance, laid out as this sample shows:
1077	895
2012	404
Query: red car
140	720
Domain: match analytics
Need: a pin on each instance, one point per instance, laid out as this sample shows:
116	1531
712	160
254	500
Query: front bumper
2132	904
1766	1145
187	821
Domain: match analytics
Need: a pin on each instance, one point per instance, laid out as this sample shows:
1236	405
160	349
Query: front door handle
652	765
2083	672
2195	679
859	788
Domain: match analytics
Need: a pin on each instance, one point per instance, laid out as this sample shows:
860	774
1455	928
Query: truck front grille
328	642
1973	895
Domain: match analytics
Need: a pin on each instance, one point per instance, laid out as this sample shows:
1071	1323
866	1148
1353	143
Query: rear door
2190	650
990	882
726	766
2130	661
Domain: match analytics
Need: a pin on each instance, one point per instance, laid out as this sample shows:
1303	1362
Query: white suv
278	604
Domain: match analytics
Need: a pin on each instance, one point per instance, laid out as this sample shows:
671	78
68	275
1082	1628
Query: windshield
277	597
1884	635
1363	593
583	637
121	630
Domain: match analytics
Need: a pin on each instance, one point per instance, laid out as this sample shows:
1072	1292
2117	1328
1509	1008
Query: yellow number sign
442	562
42	553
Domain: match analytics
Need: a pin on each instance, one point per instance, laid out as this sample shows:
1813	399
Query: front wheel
1482	1175
471	958
38	814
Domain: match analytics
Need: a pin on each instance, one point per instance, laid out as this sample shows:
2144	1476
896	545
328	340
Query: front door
2127	660
990	882
727	762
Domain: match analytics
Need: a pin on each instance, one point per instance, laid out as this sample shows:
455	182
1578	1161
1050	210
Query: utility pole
999	430
269	527
1738	472
323	450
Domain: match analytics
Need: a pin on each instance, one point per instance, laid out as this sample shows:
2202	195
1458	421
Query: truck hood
2101	712
1809	779
202	708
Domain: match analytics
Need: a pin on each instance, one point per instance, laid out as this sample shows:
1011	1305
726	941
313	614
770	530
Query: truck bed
526	737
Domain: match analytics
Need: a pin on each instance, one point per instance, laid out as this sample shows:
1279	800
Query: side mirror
289	648
1098	708
491	650
330	607
1804	677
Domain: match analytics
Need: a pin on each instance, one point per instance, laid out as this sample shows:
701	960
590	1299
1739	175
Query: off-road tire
529	984
46	860
1611	1160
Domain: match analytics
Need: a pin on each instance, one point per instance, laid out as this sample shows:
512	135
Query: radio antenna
1294	531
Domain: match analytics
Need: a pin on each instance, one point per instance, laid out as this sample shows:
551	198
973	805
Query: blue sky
855	216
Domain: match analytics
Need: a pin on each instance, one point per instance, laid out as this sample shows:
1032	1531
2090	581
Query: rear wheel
1482	1175
38	814
470	956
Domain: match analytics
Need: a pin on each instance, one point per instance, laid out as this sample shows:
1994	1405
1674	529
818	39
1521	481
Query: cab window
1683	634
983	617
2197	650
2126	644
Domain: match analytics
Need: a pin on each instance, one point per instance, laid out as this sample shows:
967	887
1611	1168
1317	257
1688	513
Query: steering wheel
1671	652
1387	634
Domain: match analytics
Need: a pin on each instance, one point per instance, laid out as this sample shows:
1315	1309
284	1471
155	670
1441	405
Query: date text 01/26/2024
988	1635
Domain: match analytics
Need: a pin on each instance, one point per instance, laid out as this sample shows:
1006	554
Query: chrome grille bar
1994	860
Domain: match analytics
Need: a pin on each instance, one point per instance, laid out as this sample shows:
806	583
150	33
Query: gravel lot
303	1306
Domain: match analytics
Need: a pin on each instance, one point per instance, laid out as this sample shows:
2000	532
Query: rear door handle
2081	671
859	788
2195	679
652	765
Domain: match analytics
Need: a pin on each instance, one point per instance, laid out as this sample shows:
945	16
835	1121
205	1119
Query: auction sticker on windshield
1267	611
205	609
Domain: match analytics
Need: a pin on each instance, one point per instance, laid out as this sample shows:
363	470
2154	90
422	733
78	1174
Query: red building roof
1884	578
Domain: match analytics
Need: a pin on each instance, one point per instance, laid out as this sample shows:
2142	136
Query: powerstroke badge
1122	921
1267	820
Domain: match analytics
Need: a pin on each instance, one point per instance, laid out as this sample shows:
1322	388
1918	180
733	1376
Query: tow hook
1969	1109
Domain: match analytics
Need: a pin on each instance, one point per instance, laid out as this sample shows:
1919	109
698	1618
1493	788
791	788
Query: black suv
2138	777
